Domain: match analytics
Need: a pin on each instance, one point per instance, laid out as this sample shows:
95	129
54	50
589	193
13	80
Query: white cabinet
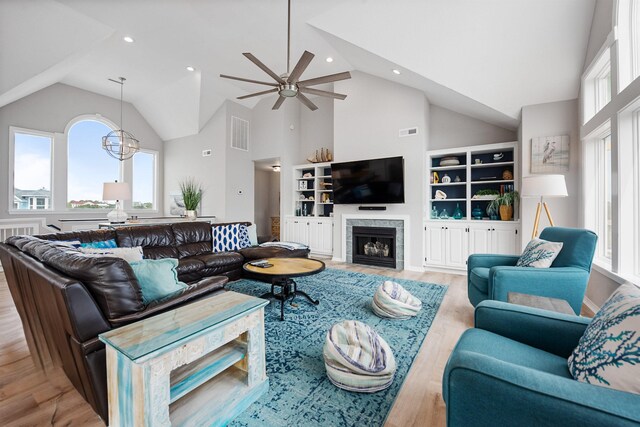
446	244
317	233
449	244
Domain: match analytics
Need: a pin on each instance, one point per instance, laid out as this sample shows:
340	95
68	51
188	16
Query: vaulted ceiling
483	58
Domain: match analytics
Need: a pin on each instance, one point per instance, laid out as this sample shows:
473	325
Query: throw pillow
158	278
69	243
229	237
608	353
128	254
539	254
105	244
252	232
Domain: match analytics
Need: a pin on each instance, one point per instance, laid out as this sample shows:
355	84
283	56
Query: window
597	85
32	167
89	167
628	29
144	179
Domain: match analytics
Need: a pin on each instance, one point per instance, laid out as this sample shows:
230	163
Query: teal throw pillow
158	278
105	244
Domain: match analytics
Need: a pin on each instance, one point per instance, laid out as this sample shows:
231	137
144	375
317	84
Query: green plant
506	199
487	192
191	194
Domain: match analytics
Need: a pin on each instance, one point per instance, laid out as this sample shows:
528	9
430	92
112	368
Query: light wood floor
28	397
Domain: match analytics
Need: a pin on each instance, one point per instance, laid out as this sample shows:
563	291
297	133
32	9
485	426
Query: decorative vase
506	212
476	213
444	214
434	213
446	179
457	213
493	215
191	215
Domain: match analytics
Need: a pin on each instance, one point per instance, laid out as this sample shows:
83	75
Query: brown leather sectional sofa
65	299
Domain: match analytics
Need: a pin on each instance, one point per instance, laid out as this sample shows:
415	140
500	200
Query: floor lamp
543	186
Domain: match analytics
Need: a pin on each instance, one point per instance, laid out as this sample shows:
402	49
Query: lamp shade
544	186
116	191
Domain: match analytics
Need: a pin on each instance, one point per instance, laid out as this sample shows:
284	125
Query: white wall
238	171
449	129
601	26
316	127
366	125
50	110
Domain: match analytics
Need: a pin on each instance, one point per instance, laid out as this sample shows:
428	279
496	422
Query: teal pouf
357	358
392	301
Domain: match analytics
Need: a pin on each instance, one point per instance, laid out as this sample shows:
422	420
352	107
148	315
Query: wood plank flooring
29	398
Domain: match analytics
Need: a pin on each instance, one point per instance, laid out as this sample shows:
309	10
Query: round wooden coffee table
281	274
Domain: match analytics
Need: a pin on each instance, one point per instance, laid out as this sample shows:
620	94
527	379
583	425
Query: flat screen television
368	181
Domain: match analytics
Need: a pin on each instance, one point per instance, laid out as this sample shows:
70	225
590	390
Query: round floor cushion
394	302
357	358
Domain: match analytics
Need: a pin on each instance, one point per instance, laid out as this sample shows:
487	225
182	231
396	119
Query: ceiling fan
289	85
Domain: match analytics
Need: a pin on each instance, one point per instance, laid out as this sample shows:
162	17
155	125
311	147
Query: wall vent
239	134
408	132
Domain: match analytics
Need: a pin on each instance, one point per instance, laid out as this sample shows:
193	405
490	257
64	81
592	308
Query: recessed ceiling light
128	39
329	59
190	68
395	71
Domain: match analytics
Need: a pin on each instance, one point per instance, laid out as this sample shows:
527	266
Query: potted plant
504	204
191	197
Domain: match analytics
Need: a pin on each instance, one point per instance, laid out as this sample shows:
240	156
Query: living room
109	110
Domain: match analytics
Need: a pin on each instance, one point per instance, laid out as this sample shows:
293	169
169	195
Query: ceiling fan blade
322	92
224	76
306	101
264	68
302	65
278	103
264	92
325	79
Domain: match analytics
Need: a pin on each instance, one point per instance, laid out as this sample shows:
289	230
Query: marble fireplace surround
399	222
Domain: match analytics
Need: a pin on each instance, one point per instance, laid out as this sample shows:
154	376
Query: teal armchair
494	276
511	369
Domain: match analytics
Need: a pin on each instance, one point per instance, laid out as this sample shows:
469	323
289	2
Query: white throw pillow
128	254
252	231
608	353
539	254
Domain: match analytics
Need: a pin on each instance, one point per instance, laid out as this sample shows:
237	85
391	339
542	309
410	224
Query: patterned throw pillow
539	254
608	353
105	244
128	254
229	237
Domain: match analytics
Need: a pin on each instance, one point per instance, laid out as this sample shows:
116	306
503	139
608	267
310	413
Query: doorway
267	199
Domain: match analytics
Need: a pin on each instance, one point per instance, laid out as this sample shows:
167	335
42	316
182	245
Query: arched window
88	166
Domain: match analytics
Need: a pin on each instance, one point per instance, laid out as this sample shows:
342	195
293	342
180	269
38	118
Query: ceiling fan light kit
289	85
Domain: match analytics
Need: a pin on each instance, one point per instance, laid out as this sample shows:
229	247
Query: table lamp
118	191
543	186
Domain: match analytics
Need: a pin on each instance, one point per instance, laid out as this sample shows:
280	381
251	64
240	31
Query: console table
200	364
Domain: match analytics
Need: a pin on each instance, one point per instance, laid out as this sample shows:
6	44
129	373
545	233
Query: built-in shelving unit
313	190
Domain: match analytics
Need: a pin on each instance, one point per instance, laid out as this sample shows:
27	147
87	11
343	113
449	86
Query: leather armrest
192	291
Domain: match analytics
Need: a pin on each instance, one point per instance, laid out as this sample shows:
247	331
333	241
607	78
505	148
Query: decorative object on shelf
457	212
487	178
299	211
507	175
543	186
504	204
435	178
498	157
324	185
550	154
302	185
486	194
307	175
192	196
118	191
325	198
302	197
120	144
441	195
304	209
493	214
478	162
446	179
449	161
311	198
434	213
457	178
476	213
444	214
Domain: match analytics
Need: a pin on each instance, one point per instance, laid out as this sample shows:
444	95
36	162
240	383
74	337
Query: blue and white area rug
299	392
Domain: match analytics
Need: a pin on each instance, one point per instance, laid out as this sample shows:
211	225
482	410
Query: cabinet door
301	232
288	234
321	236
457	246
504	240
480	239
434	241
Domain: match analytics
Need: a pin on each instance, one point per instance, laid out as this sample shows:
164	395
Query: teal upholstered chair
511	370
494	276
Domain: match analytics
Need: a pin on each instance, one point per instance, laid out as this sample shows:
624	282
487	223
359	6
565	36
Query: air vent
239	134
408	132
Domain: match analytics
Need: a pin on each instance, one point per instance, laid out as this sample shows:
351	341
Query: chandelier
120	144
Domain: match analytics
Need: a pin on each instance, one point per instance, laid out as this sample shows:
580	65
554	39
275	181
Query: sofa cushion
157	241
258	252
221	259
192	238
88	236
158	278
479	278
608	353
189	265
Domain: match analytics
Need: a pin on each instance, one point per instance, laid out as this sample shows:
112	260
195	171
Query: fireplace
374	246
